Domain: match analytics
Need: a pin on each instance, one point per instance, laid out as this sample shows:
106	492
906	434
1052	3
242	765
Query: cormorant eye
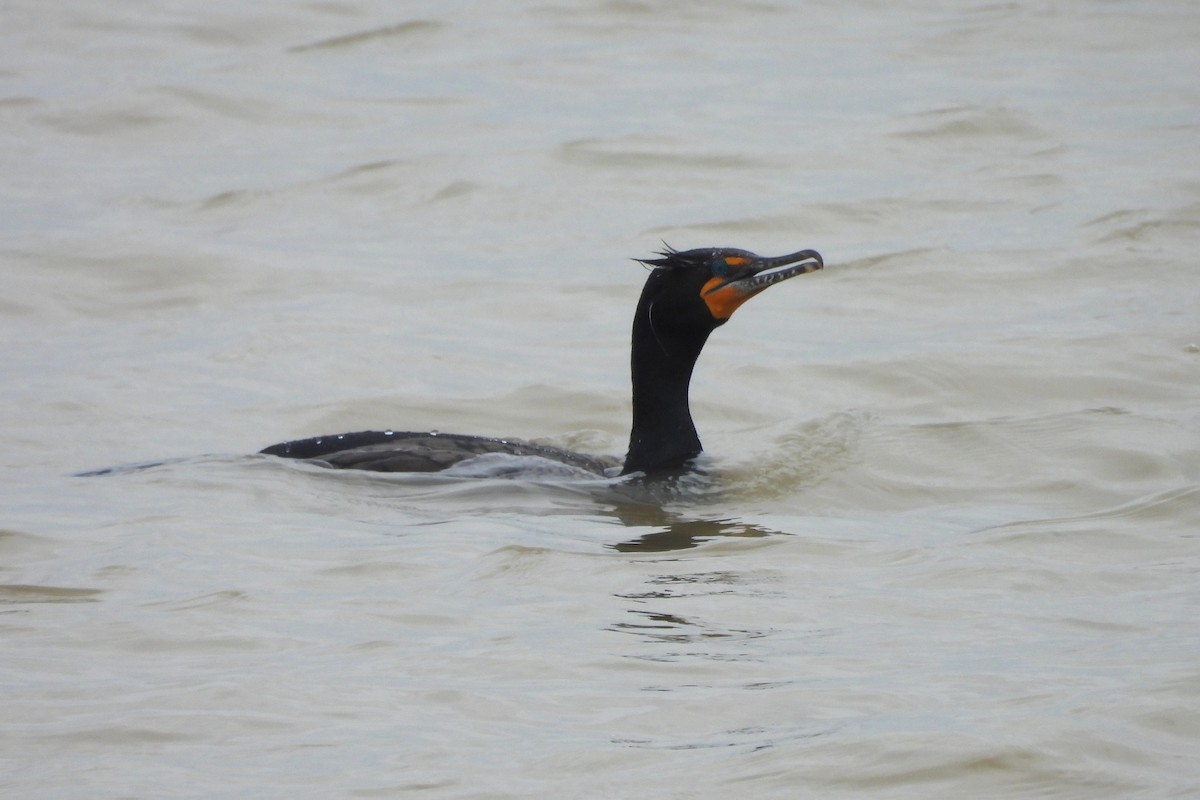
722	265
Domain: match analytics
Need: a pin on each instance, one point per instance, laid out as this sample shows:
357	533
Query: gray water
951	550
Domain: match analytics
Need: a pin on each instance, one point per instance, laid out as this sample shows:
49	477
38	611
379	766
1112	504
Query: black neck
663	435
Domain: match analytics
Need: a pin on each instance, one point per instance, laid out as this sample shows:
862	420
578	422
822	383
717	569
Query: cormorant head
687	296
720	278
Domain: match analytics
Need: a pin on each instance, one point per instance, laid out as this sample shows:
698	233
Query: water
949	548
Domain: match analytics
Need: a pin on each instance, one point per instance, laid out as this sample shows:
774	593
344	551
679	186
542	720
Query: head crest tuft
670	258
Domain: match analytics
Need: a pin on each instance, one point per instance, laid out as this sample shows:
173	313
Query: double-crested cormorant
689	294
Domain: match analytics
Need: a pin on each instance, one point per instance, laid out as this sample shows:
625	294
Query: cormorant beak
751	275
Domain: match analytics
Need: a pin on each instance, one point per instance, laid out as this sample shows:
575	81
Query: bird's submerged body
426	451
687	296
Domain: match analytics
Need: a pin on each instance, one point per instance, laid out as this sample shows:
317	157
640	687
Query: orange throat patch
723	298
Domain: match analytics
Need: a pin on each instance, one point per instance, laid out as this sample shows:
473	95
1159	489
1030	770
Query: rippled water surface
948	546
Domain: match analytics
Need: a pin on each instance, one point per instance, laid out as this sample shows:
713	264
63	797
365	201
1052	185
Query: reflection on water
695	634
675	532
